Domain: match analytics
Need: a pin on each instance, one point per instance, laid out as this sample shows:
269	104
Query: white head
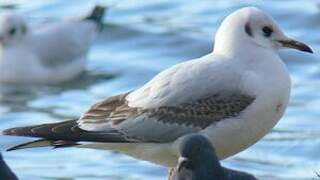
13	28
251	27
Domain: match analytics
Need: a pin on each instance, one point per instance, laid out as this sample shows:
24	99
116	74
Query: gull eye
267	31
12	31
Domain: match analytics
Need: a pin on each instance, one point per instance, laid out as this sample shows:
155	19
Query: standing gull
233	96
198	161
50	53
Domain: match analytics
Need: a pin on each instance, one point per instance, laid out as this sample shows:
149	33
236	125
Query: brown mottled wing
127	125
166	123
204	112
114	108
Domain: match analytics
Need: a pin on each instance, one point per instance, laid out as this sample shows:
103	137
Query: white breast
270	83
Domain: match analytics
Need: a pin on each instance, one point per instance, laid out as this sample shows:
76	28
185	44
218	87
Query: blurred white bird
51	53
233	96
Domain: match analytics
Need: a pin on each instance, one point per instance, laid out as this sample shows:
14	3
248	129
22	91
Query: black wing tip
18	131
9	132
23	145
97	14
99	8
55	144
63	134
13	148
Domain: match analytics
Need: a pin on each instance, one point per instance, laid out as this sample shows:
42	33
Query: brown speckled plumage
200	113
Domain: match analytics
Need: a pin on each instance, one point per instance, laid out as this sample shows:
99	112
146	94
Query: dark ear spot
12	31
248	30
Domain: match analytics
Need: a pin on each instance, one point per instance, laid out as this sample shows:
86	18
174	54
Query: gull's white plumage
50	53
228	69
234	96
229	135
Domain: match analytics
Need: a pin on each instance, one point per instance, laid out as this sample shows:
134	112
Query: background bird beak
295	45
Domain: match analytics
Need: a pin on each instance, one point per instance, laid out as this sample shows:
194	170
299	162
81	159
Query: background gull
50	53
233	96
198	161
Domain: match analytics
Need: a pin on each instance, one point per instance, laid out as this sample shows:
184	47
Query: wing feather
152	124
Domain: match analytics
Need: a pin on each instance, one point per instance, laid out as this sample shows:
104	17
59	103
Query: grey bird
198	161
5	171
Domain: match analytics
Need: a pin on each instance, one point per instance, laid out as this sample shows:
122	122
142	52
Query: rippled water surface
141	38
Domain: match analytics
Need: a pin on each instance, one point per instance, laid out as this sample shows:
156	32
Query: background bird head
13	28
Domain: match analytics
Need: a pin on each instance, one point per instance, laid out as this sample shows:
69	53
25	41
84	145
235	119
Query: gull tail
97	15
62	134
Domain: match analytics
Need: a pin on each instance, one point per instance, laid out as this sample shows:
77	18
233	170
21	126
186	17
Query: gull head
251	27
13	28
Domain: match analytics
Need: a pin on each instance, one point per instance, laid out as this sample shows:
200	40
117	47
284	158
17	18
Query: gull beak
181	162
290	43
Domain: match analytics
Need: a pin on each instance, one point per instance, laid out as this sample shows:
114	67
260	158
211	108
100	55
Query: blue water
141	38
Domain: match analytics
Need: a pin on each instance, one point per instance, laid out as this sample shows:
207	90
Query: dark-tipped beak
182	161
295	45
